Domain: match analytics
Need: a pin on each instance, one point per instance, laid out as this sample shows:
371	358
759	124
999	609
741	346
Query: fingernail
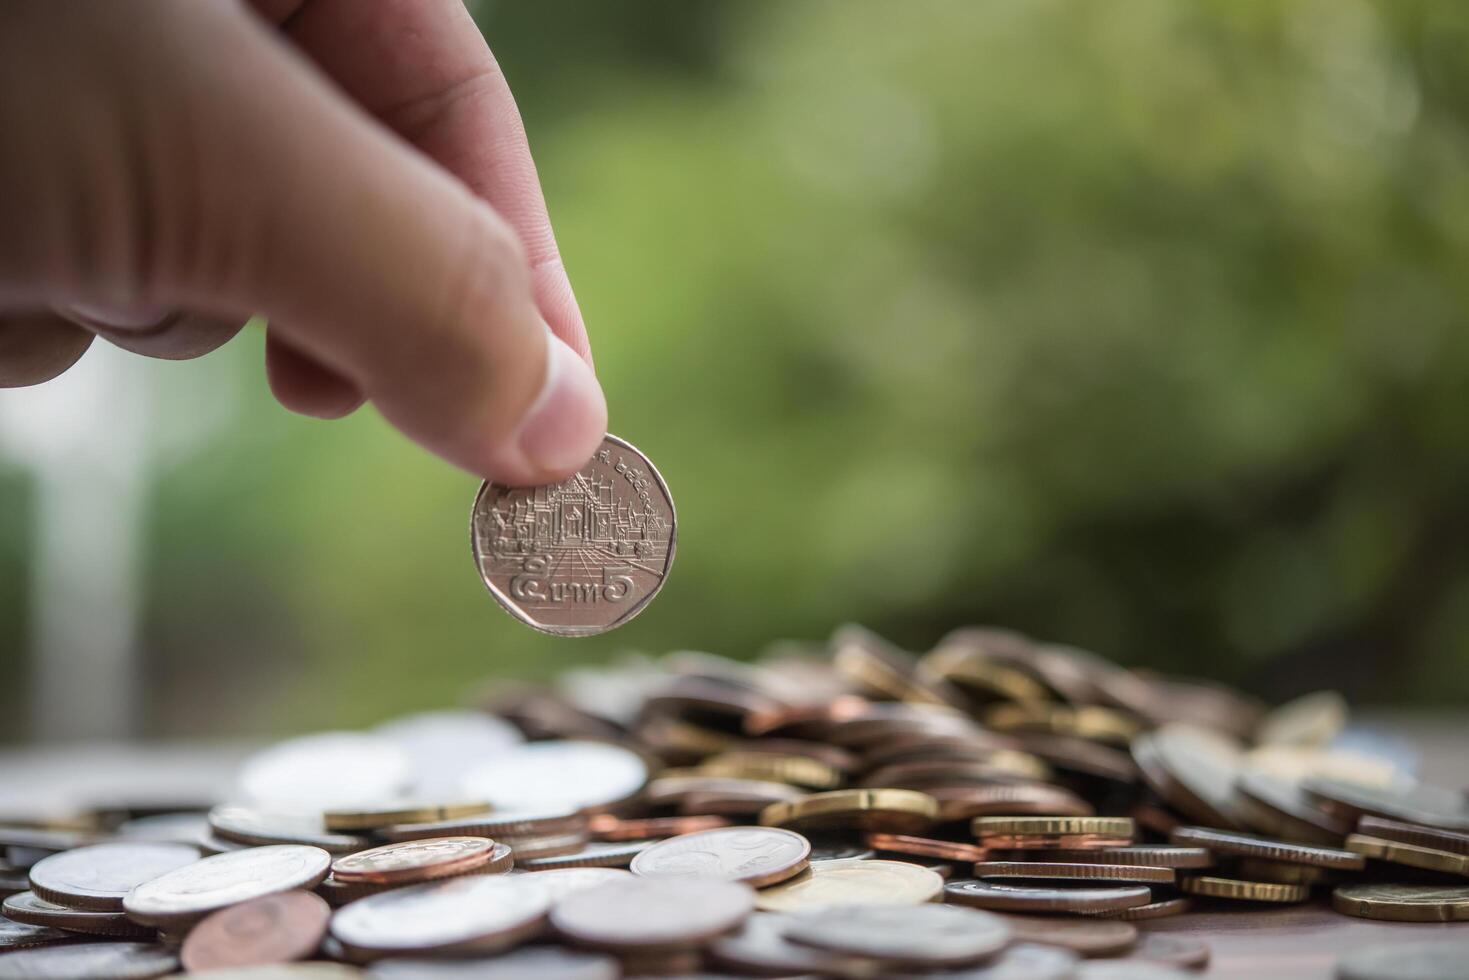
140	319
568	420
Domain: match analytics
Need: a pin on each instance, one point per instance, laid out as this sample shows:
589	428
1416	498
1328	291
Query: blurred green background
1139	325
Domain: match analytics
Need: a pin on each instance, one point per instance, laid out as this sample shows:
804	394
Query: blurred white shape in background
93	441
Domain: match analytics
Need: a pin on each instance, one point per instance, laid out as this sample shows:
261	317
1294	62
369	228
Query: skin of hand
354	170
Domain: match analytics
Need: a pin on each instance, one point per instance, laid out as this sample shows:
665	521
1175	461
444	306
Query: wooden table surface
1247	944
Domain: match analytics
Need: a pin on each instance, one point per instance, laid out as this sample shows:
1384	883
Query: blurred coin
531	963
757	856
189	893
330	769
1277	806
926	935
1239	890
97	877
1127	873
500	825
549	776
617	855
1259	869
760	946
1312	719
166	828
89	961
441	745
22	935
288	971
1013	898
1129	969
892	810
836	847
609	828
944	850
420	860
1430	960
1407	833
1024	961
560	882
582	556
1403	903
877	667
798	770
373	818
534	848
270	929
1432	806
26	907
1193	769
1080	755
1111	827
1152	855
1180	951
1428	858
853	882
44	839
1153	910
1012	799
256	827
473	913
1085	937
1250	845
637	913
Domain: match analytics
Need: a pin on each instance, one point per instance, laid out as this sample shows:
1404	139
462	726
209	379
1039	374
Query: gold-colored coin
968	668
852	881
1093	722
798	770
1244	891
401	813
892	810
1403	903
1411	855
1283	872
1020	826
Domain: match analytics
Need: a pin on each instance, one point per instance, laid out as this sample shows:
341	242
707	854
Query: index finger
423	68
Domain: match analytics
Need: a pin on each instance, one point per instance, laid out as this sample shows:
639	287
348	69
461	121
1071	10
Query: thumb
273	193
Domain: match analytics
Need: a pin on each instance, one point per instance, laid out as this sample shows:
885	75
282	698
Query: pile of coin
997	808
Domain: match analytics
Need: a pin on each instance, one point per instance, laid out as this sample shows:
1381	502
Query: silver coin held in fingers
583	556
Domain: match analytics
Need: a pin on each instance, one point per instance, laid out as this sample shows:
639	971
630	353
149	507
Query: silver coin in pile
440	745
560	882
21	935
756	855
82	961
556	776
189	893
248	825
1406	961
325	771
638	912
582	556
97	877
533	963
475	912
924	935
1023	961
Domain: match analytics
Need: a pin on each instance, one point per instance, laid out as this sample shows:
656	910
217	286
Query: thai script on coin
582	556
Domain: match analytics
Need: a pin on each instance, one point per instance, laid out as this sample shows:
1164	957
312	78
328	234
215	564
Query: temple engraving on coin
582	556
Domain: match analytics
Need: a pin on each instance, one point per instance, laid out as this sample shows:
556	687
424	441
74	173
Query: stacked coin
997	803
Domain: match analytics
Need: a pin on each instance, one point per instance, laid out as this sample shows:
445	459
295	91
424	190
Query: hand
355	170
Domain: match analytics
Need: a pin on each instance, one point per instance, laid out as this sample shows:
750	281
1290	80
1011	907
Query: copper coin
270	929
187	894
483	913
1152	855
28	908
1012	898
606	827
636	913
944	850
1418	836
115	961
97	877
1086	937
557	776
416	860
916	935
1250	845
1128	873
529	963
1153	910
582	556
1179	951
758	856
